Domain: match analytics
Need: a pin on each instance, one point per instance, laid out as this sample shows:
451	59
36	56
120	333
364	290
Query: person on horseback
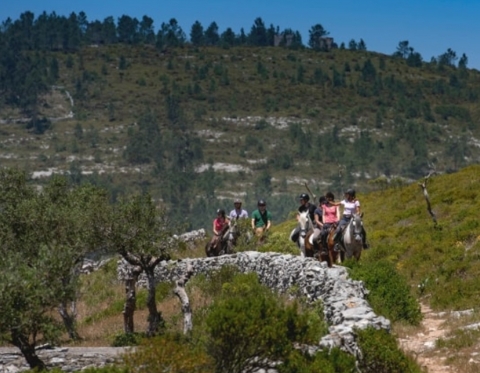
238	212
351	205
261	219
318	221
331	216
305	205
220	224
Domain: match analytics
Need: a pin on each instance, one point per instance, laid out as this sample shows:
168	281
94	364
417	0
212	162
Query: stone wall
345	307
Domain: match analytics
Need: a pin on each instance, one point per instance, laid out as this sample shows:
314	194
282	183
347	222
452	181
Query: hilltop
198	126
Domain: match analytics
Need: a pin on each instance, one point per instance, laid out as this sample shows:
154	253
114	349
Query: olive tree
139	233
44	236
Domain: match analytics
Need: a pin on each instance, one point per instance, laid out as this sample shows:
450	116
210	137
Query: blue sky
430	26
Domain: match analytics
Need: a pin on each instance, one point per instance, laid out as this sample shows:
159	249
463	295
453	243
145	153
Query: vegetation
156	114
156	107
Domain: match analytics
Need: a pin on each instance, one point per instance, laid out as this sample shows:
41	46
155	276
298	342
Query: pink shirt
330	214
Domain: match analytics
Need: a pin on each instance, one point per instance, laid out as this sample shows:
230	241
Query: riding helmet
261	202
322	200
330	195
221	211
351	192
304	196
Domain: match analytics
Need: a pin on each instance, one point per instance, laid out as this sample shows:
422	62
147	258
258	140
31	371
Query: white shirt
238	214
350	207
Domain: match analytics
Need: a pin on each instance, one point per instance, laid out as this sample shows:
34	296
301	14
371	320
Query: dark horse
225	242
351	239
323	250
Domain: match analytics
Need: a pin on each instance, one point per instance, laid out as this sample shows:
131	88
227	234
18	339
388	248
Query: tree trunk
130	298
155	319
182	295
69	320
28	350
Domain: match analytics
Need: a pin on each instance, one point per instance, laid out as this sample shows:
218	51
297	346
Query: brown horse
322	253
335	256
224	243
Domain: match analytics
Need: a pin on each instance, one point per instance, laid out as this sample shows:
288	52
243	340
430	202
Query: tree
146	33
228	37
127	30
361	45
139	231
211	34
44	237
315	34
403	50
448	58
352	45
463	62
170	35
196	34
258	33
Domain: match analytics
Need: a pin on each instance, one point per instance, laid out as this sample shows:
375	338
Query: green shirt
260	219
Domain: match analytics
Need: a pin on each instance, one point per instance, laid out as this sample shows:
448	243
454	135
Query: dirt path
422	343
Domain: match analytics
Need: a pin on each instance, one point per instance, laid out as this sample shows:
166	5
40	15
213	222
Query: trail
422	343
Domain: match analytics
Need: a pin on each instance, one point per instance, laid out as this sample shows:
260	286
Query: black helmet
351	192
304	196
221	212
261	202
322	200
330	195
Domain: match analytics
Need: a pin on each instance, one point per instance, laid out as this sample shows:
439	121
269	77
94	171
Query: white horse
305	226
353	237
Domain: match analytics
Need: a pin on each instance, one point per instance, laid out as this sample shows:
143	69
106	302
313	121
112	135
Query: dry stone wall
345	306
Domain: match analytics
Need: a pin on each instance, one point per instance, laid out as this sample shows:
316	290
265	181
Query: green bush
381	354
248	323
171	353
333	361
127	339
389	294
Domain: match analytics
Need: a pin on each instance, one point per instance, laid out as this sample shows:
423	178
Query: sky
430	26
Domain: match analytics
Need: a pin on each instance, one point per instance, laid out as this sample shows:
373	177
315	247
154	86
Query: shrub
248	325
389	294
333	361
169	353
381	354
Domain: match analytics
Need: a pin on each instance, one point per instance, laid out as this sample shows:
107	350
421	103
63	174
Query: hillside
198	126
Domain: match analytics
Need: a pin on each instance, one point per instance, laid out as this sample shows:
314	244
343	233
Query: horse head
304	223
357	227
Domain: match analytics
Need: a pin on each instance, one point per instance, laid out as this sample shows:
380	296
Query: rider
219	225
261	219
305	205
331	216
238	212
351	205
318	220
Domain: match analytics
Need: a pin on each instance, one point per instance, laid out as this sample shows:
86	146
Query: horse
225	243
351	237
332	256
305	226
